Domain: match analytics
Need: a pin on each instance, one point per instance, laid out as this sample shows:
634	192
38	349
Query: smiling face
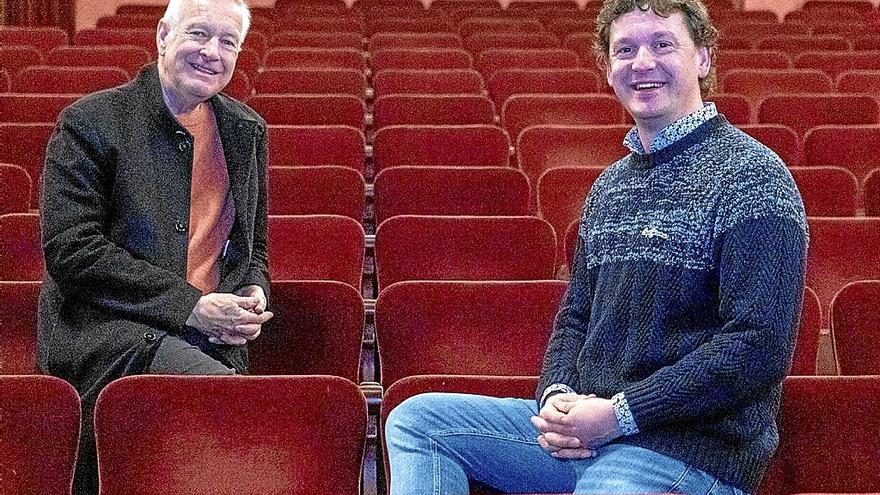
655	68
197	53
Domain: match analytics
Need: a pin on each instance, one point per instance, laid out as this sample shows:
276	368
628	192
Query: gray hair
172	15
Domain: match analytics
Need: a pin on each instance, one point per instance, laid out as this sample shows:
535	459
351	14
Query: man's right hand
227	318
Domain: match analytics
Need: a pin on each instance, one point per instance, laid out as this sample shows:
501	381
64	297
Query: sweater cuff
624	415
647	404
550	391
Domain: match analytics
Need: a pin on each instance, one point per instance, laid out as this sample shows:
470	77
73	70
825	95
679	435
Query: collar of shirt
671	133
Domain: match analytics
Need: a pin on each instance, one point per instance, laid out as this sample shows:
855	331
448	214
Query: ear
163	34
705	59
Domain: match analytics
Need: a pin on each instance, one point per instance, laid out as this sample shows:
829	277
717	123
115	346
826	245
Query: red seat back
15	188
29	151
51	79
21	254
492	60
524	110
843	146
757	83
420	58
316	247
440	109
329	190
313	81
855	327
39	434
779	138
316	145
463	248
803	112
18	319
310	110
317	328
427	81
827	191
291	443
451	327
487	191
561	193
425	145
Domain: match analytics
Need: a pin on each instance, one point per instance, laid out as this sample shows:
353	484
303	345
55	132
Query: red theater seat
5	81
317	24
872	194
420	81
827	191
752	59
490	61
239	86
316	247
314	58
401	23
128	58
843	146
476	25
561	193
735	107
865	41
540	148
855	327
523	110
835	63
39	434
438	109
451	327
823	449
144	38
276	431
18	312
463	248
310	109
803	112
13	58
317	328
424	145
316	145
487	191
420	58
15	188
33	108
21	254
315	81
41	38
305	39
564	26
807	349
842	250
757	83
29	150
794	44
329	190
858	81
485	40
582	44
51	79
383	41
779	138
127	21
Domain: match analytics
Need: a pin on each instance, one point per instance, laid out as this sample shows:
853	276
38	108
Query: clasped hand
232	319
572	426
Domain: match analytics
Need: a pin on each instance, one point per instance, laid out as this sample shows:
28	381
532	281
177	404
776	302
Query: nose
644	59
211	48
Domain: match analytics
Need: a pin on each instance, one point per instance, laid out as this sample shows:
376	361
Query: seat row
414	247
292	443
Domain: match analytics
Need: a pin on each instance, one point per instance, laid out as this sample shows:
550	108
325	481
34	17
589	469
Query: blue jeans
438	442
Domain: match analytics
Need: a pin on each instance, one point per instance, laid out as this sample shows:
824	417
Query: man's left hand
590	420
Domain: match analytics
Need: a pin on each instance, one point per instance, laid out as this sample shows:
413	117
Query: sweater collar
671	133
697	135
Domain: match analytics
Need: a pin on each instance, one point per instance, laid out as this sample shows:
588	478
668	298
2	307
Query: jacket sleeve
78	180
258	269
761	256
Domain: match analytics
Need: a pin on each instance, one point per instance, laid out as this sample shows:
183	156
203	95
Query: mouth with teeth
647	86
203	70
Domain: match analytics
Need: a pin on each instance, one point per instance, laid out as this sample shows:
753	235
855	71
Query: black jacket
115	212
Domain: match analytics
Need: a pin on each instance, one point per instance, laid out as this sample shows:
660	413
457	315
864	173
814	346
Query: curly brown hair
696	18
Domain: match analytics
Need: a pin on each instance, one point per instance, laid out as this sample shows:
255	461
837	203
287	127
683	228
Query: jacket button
180	226
183	145
149	336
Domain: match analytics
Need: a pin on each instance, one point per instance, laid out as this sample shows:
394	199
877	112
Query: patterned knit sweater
686	295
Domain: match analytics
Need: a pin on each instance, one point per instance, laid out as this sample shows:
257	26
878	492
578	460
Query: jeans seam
497	436
680	479
435	457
